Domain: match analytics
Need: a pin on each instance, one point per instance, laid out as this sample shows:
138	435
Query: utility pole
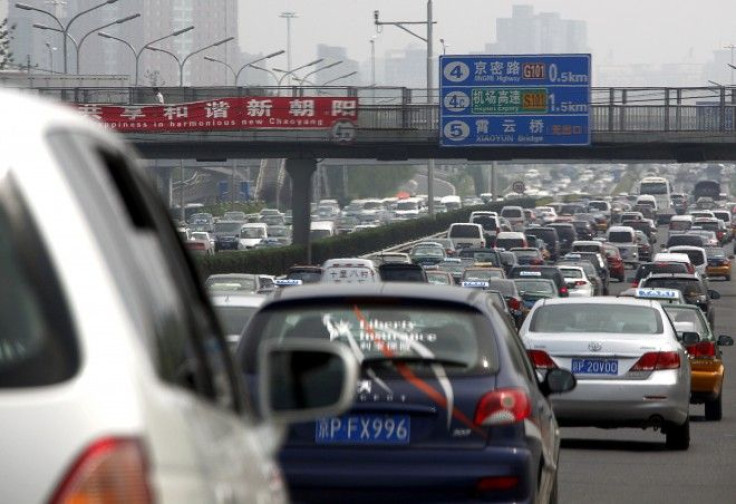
288	16
430	78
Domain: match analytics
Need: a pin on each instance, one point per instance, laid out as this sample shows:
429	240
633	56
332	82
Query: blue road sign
514	100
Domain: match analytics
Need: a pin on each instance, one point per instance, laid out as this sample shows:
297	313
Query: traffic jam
476	346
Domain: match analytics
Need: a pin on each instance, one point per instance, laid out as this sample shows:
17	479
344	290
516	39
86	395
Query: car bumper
706	381
714	271
381	475
613	403
577	293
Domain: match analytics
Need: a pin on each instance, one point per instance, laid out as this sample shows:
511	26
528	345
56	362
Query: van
697	257
515	216
624	237
466	234
321	229
451	202
350	270
510	239
680	224
251	234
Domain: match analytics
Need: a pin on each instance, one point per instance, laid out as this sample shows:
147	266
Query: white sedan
630	368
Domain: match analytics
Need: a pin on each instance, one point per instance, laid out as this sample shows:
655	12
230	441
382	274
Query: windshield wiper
371	361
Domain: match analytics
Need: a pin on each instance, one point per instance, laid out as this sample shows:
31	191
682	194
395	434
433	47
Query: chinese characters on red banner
227	114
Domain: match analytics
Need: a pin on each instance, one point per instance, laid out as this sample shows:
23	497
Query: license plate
363	429
595	366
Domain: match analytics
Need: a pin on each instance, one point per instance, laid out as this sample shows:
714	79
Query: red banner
252	112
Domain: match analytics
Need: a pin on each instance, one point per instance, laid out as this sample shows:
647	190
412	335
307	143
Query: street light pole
288	16
138	53
237	74
184	61
287	73
732	47
64	29
429	23
271	73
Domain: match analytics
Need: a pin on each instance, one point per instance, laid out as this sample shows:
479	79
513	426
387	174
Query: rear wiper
371	361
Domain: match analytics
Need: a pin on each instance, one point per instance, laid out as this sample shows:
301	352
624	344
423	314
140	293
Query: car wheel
728	277
714	408
678	436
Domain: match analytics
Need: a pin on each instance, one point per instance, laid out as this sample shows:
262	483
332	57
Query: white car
631	370
116	384
578	283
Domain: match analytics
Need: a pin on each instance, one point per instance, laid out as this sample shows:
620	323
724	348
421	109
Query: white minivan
466	234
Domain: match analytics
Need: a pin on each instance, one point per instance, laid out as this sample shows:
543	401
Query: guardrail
655	109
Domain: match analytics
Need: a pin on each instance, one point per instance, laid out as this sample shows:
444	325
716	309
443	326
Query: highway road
631	466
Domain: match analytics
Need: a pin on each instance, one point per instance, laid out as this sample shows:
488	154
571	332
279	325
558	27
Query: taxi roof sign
287	282
530	273
644	293
476	284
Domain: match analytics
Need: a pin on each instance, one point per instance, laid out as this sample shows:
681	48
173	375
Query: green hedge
276	261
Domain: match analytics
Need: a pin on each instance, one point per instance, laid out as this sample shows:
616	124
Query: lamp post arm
82	13
268	56
117	21
232	70
273	74
175	34
31	8
184	61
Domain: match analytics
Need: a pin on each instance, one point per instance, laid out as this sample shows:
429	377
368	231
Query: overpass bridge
636	124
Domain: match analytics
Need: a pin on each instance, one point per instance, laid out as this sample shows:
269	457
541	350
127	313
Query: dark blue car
448	406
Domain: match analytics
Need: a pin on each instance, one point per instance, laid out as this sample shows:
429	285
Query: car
532	289
113	363
390	257
647	268
599	263
453	266
201	243
438	277
510	239
237	282
631	369
693	287
227	234
528	255
349	270
662	295
707	369
480	255
445	385
697	257
511	296
719	264
305	273
450	250
671	257
550	237
474	273
550	272
251	235
466	234
402	272
566	234
684	239
234	310
624	237
578	283
427	253
615	262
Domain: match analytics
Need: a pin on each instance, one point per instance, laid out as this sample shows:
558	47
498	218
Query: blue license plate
595	366
363	429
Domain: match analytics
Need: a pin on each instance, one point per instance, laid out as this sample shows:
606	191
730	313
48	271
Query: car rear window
694	240
507	243
389	334
680	225
466	231
620	237
688	287
697	257
512	213
596	318
38	346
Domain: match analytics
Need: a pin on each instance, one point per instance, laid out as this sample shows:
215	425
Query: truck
707	189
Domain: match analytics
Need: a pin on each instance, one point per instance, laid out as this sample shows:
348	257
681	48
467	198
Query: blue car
448	406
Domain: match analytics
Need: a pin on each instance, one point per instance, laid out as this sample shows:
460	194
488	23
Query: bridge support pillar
163	182
301	171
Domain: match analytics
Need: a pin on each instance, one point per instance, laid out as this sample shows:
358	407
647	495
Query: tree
6	35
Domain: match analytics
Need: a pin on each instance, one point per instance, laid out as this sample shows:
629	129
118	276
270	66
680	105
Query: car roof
600	300
237	299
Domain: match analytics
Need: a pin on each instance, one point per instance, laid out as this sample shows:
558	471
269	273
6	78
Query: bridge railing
651	109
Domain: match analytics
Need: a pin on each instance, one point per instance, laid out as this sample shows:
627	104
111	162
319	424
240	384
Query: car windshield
620	237
596	318
571	273
251	233
482	274
681	315
227	227
528	286
231	284
428	250
406	205
384	336
689	287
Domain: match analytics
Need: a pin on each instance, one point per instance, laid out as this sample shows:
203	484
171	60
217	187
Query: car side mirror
303	380
724	340
714	294
558	381
690	338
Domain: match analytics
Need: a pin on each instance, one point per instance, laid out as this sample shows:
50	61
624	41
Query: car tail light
704	349
541	359
635	283
112	470
514	304
655	361
580	283
502	407
496	483
195	246
563	291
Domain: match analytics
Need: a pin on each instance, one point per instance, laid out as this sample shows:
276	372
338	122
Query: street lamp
59	30
138	53
51	56
287	73
732	47
288	16
272	73
340	78
237	74
444	46
430	79
78	45
373	61
184	61
64	29
324	68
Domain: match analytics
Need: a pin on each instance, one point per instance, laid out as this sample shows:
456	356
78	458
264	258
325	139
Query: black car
583	229
402	272
550	237
480	255
693	287
567	234
550	272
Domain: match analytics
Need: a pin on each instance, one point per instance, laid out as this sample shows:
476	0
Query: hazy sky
629	31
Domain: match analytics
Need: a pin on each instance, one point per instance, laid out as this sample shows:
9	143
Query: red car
615	263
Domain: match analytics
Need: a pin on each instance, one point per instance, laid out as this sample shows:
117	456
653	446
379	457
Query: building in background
332	54
545	33
213	21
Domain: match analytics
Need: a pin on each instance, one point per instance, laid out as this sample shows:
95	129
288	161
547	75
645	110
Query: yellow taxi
719	264
704	352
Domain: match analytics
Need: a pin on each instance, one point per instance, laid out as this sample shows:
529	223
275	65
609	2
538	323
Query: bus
661	189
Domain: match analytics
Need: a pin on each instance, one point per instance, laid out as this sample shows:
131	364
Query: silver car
630	367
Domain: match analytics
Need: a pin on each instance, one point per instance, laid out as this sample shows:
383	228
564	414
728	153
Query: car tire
678	436
728	277
714	409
